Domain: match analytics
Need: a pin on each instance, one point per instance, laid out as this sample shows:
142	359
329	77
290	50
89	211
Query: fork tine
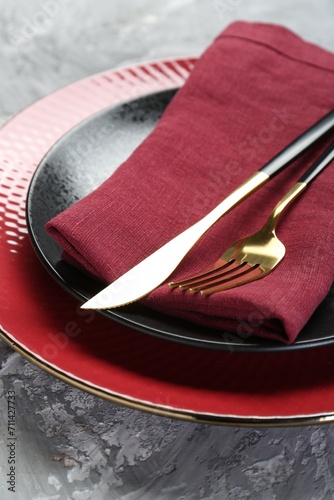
243	270
219	267
216	275
251	274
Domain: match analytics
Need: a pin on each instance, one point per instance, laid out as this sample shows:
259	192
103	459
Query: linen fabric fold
255	89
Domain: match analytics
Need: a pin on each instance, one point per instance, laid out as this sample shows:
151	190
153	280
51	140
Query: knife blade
155	269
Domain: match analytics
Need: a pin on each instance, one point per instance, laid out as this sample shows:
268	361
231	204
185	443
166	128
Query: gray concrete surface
73	445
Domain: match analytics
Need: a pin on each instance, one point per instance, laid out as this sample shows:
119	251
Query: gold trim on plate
188	416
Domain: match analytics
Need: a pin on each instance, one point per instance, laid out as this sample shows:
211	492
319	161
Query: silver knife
157	267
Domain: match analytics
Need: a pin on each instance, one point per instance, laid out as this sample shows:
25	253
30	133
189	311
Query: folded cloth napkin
254	90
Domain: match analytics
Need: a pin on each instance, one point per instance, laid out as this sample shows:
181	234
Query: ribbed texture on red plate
252	92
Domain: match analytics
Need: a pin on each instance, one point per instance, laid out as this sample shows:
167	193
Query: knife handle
299	145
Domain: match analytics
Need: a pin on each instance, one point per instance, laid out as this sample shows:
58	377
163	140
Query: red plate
42	322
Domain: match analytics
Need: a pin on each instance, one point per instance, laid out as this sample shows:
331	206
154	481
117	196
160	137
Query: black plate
68	173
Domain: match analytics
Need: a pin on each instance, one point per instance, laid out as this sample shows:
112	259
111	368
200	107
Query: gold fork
255	256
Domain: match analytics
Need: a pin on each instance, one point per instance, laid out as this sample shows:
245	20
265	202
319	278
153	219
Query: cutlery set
254	256
282	313
248	259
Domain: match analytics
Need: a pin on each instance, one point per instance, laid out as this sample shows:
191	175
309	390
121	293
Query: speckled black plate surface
68	173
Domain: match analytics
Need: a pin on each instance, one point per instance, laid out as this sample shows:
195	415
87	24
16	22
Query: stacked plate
132	355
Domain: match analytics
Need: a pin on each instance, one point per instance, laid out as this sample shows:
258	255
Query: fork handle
299	145
273	167
317	167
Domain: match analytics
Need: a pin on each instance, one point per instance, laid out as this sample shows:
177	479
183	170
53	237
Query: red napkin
254	90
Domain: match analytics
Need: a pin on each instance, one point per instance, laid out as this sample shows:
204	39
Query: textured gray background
73	445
